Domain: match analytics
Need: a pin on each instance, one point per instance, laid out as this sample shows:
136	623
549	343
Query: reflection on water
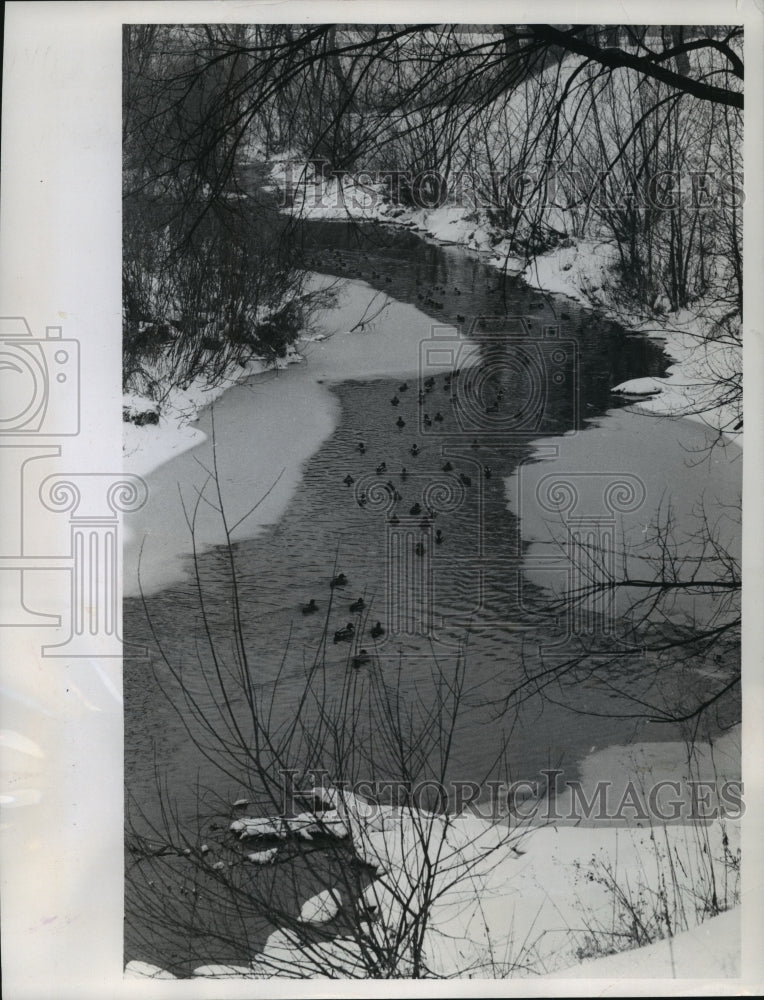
407	500
432	550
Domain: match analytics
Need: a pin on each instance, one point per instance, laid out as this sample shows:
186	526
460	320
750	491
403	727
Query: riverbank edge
153	445
579	269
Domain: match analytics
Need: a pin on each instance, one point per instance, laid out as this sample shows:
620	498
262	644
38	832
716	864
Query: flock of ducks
434	296
428	386
350	631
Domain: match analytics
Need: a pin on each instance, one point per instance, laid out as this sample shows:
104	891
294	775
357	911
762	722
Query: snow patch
321	908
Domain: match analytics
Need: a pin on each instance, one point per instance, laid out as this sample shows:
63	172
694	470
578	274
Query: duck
404	387
438	418
394	519
358	605
438	537
427	420
404	473
448	467
382	467
394	401
400	422
377	630
419	548
460	318
414	450
361	447
345	634
348	480
361	659
416	510
310	607
465	479
340	580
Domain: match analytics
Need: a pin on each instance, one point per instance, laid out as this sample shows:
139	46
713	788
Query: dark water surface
464	588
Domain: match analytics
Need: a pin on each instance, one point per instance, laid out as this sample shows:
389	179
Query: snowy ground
631	453
542	901
580	269
147	447
264	437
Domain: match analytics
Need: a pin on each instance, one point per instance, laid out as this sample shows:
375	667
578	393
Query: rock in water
251	826
263	857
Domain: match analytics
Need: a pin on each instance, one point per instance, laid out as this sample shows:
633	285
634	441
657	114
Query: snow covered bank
531	900
709	951
660	474
503	903
266	427
705	366
147	444
467	897
353	197
700	384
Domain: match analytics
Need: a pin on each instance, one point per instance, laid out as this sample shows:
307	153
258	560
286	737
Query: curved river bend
466	585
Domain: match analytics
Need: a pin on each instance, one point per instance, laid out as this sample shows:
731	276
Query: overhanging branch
614	58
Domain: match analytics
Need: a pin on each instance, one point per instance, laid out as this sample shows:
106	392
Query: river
463	601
